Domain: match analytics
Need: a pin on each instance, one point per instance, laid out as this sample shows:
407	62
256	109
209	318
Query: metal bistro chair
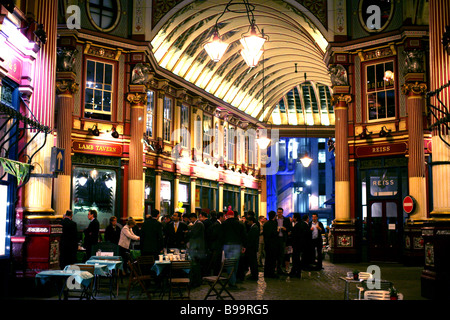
379	295
140	274
384	286
222	279
86	292
179	279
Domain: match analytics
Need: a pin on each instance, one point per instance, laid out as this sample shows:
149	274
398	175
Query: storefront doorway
383	185
385	229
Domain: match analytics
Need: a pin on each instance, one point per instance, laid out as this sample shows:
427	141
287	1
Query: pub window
150	113
198	133
104	14
184	125
167	115
250	146
216	140
380	91
207	134
239	147
225	140
231	143
98	99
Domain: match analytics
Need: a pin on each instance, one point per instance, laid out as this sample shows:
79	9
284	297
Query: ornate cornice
66	87
338	98
414	88
137	98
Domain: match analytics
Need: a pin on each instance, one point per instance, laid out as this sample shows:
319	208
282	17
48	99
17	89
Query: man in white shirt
317	230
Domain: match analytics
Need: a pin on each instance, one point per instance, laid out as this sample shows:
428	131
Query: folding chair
85	291
179	279
227	268
136	277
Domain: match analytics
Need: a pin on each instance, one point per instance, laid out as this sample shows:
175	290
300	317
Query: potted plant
393	293
355	274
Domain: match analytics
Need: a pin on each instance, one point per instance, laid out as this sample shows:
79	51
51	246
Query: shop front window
166	197
93	188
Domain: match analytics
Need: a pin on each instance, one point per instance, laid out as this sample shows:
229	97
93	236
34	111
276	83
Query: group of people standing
304	237
254	242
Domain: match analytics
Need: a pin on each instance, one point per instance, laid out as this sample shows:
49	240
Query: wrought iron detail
19	124
441	115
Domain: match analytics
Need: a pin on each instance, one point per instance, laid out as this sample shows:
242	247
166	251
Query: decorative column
66	87
193	183
138	99
221	195
176	185
40	249
242	196
343	231
415	89
158	189
435	278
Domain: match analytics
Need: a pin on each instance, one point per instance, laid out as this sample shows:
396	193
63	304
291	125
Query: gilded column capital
338	98
66	87
415	88
137	98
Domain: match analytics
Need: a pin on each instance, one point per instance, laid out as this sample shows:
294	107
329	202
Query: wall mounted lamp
114	132
365	134
94	131
384	132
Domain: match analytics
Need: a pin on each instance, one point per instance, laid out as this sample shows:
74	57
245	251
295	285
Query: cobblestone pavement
314	285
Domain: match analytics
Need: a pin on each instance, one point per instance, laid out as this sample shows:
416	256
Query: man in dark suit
69	240
196	239
234	239
91	233
215	238
252	246
270	234
317	229
284	227
152	241
175	232
299	232
112	231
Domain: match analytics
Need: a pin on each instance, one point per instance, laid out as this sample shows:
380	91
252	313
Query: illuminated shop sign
381	150
97	148
383	186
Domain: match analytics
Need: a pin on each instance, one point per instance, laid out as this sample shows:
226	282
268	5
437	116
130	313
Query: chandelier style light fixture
252	41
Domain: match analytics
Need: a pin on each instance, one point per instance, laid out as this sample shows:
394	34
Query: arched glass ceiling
293	38
305	104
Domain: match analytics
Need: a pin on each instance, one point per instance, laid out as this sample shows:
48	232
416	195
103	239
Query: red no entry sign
409	204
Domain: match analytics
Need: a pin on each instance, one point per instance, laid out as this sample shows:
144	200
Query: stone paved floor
314	285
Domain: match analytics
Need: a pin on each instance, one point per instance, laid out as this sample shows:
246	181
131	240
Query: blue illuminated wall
298	189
